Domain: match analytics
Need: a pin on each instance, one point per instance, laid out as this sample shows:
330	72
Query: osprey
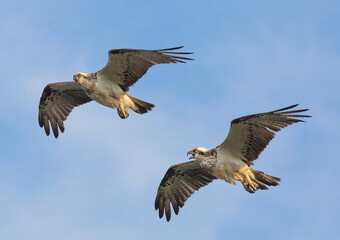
248	137
107	86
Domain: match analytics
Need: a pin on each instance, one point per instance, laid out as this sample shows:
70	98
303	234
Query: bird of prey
107	86
247	138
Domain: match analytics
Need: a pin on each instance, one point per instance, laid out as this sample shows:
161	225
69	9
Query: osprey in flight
107	86
248	137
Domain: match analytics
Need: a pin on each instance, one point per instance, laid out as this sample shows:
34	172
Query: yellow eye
195	151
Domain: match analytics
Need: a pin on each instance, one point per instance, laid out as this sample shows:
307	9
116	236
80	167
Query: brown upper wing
178	184
249	135
56	103
126	66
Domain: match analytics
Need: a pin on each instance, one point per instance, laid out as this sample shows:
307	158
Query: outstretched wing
57	102
126	66
249	135
179	183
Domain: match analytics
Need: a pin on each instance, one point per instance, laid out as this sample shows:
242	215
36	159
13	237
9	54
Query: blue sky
98	180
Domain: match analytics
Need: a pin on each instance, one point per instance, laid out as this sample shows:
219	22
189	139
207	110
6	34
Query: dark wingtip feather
161	207
40	120
168	214
277	179
297	115
176	209
286	108
183	58
157	202
178	52
169	52
169	49
295	111
47	129
283	111
167	209
55	132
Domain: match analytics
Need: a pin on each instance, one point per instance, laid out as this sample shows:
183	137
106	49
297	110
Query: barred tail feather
266	179
140	106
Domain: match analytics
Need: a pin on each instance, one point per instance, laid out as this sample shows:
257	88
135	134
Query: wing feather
126	66
249	135
57	102
178	184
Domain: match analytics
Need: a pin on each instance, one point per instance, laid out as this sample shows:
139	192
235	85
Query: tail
140	106
261	180
134	104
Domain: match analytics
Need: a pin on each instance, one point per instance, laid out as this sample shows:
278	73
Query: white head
79	77
198	153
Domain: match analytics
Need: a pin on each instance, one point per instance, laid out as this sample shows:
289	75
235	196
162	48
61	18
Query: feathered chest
209	159
105	92
107	88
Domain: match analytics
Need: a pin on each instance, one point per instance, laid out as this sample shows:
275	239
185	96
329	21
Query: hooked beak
80	80
190	152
